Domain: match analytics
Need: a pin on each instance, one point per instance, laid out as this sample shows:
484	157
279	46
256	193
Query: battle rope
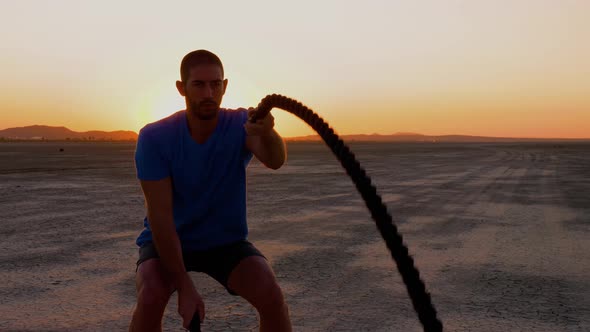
405	263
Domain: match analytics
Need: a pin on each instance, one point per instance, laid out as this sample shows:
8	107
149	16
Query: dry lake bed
499	232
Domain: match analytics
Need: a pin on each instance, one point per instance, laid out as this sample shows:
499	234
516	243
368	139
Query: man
192	170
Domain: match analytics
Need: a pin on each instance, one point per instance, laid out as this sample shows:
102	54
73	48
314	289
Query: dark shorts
217	262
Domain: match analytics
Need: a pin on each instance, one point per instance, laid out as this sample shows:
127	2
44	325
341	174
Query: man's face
204	90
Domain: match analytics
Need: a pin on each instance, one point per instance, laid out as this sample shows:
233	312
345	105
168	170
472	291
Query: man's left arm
265	143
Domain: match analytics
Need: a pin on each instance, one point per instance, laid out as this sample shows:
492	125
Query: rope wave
399	252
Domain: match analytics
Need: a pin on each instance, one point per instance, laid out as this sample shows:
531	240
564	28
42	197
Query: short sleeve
149	161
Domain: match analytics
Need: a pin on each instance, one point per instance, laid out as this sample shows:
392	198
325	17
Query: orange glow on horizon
498	69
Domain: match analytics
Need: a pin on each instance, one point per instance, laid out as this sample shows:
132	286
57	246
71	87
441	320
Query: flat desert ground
499	232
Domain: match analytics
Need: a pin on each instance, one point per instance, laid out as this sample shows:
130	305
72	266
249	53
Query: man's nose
208	91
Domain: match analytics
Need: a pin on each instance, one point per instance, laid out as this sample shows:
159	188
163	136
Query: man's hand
262	127
264	142
189	302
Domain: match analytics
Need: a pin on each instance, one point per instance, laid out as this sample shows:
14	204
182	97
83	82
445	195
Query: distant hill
63	133
413	137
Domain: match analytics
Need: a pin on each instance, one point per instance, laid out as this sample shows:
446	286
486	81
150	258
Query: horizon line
402	133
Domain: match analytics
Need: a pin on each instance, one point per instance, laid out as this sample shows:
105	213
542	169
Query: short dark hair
195	58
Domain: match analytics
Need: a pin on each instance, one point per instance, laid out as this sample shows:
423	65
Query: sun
166	104
156	103
162	101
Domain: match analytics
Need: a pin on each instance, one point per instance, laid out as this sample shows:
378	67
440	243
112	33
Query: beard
205	110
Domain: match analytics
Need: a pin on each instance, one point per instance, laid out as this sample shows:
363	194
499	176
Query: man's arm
158	196
265	143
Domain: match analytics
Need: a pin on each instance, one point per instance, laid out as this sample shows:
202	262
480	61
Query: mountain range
62	133
414	137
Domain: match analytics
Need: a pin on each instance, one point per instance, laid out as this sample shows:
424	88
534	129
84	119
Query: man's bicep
158	196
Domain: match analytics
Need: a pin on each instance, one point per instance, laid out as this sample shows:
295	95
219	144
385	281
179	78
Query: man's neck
201	130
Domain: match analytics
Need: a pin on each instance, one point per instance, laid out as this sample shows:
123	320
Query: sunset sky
512	68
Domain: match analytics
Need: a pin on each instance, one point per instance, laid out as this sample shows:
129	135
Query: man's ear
180	88
224	85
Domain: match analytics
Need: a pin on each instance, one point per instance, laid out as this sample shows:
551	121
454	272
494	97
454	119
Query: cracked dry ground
500	233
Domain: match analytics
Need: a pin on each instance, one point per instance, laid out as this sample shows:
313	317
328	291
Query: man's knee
153	288
269	297
153	295
152	299
274	299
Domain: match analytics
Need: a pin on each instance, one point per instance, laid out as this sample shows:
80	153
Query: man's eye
198	84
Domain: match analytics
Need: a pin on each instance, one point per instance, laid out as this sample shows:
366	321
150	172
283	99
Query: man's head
202	83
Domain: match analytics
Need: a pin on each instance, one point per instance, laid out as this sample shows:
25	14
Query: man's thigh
219	263
254	280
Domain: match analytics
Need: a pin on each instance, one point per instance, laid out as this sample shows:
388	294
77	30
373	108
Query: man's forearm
273	150
169	248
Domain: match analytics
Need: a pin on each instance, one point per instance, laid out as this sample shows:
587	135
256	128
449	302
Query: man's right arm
158	197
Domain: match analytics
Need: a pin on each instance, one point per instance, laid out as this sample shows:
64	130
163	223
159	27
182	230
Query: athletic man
192	170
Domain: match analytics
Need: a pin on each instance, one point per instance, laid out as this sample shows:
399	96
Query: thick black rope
405	263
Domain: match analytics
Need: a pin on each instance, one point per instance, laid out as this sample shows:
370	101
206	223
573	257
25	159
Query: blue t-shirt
208	180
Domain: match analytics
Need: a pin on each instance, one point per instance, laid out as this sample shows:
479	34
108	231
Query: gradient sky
515	68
